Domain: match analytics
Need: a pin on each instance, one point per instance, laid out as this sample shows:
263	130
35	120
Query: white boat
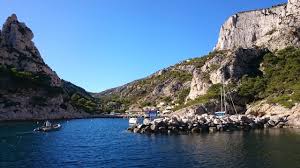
220	114
48	127
133	120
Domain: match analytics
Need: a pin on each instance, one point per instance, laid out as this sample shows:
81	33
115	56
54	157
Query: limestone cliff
257	57
227	67
18	50
272	28
30	89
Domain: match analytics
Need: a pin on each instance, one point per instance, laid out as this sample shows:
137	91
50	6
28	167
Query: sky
101	44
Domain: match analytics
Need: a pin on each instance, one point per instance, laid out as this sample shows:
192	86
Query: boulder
147	129
271	123
244	119
136	130
217	121
221	127
153	128
162	130
213	129
294	120
195	130
141	126
146	121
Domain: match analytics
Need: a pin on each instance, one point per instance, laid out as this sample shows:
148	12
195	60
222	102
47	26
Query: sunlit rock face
273	28
225	67
18	50
293	6
30	89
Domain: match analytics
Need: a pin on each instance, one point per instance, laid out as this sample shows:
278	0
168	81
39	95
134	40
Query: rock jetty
208	124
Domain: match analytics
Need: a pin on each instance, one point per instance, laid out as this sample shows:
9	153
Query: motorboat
220	114
47	127
133	120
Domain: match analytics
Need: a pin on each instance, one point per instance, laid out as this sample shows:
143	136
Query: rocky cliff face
167	85
227	66
252	58
272	28
18	50
29	89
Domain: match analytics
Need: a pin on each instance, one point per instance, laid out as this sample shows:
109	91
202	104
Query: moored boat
223	112
133	120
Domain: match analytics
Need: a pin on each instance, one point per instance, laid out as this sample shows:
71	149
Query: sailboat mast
224	96
221	98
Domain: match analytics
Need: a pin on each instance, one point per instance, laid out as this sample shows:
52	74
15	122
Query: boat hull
55	127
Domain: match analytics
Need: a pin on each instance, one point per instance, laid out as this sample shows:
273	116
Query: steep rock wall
30	89
226	66
273	28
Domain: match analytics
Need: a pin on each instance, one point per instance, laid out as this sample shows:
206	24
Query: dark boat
48	127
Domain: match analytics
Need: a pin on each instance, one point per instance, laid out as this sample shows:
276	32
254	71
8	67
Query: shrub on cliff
84	103
280	81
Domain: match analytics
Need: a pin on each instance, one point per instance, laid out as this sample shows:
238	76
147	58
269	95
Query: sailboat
223	102
223	111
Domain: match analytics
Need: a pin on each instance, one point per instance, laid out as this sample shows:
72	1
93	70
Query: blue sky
100	44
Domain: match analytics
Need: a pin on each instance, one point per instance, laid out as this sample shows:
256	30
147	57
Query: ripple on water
105	143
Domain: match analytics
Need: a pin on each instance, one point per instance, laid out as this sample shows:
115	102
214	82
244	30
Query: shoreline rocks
209	124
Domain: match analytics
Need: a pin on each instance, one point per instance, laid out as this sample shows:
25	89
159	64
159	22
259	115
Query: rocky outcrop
272	28
266	109
17	50
225	67
30	89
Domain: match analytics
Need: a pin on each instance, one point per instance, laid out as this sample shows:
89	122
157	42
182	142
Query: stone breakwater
208	123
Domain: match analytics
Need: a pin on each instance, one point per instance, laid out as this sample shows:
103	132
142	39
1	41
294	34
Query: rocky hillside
256	56
29	89
167	85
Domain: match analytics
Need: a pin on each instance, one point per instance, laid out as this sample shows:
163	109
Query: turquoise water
105	143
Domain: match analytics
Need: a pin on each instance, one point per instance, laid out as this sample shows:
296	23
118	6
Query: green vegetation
278	84
182	95
12	79
144	87
212	93
114	103
84	103
200	61
79	98
252	87
37	101
147	103
280	81
167	99
138	91
167	75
